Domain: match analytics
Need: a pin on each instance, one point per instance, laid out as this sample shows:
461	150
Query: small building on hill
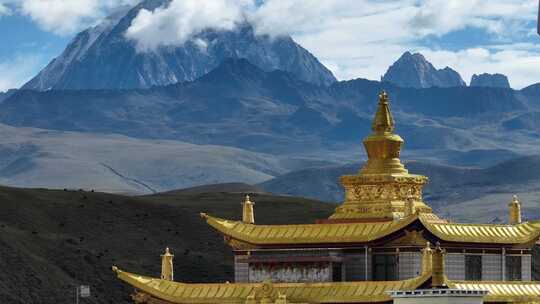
382	244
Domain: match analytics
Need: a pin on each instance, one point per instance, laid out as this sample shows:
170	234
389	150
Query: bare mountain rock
413	70
490	80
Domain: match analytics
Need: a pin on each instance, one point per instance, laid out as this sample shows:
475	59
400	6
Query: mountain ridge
490	80
413	70
238	104
102	57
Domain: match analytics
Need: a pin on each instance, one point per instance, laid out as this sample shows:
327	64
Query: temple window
513	268
337	272
473	267
384	267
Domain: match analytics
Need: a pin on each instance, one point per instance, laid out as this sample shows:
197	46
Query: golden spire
383	189
383	122
514	216
167	271
427	259
438	278
383	146
248	214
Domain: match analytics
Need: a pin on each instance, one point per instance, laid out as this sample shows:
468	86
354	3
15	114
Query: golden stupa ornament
427	259
383	185
438	278
514	216
167	271
248	212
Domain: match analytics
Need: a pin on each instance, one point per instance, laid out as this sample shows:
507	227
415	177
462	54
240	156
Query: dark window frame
337	272
384	267
513	267
473	267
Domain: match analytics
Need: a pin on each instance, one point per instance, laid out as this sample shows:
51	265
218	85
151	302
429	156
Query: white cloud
183	19
4	10
364	38
15	72
67	17
439	17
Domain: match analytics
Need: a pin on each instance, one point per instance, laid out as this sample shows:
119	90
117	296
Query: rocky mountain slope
102	57
490	80
413	70
238	104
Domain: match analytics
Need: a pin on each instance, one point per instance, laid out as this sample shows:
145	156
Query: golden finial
383	122
438	278
248	212
514	215
167	270
427	259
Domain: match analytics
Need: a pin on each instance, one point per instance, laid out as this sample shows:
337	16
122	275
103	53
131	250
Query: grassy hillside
50	241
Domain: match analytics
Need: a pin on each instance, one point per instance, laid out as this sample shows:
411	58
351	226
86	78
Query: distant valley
40	158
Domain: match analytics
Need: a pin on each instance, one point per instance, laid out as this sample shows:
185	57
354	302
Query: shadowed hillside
51	241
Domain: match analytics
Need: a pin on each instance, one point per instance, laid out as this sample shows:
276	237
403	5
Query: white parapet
438	296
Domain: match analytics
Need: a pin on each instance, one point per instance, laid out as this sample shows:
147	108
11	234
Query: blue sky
354	38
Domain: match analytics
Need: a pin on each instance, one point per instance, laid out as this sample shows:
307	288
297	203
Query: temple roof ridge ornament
514	212
248	212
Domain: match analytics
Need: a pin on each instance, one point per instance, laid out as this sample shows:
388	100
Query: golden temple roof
331	292
501	291
307	233
485	233
328	292
361	232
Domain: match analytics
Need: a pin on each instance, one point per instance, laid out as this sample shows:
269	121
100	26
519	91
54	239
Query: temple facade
383	240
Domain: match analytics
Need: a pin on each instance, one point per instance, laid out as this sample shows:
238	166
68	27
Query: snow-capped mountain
413	70
103	58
